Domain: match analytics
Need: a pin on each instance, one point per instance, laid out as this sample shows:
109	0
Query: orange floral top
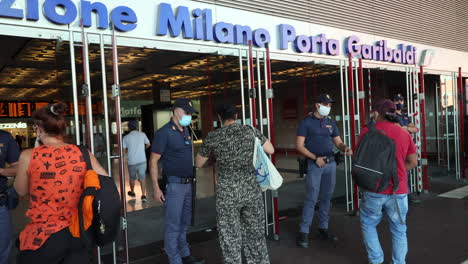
55	185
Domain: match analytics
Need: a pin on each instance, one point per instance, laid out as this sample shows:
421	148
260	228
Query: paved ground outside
437	233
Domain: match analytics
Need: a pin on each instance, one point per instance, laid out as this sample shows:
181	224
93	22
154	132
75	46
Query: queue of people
53	173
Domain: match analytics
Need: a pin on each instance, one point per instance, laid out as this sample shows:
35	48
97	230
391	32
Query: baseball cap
324	98
185	104
385	107
398	97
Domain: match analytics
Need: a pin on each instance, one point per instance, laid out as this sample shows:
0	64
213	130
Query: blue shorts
137	171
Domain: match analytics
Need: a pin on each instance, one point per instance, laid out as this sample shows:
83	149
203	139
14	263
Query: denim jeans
178	207
320	183
395	207
5	235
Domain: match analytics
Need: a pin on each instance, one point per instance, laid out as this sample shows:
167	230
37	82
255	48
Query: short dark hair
226	112
51	119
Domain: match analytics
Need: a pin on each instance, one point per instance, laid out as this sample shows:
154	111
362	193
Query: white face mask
324	110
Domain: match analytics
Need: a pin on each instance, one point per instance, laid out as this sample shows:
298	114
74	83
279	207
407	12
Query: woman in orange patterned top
53	175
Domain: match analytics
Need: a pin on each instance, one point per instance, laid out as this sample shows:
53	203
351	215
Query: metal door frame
263	120
83	42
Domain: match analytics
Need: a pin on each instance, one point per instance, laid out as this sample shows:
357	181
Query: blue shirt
175	148
9	153
319	134
403	119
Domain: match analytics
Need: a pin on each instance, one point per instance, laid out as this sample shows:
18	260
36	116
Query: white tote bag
267	175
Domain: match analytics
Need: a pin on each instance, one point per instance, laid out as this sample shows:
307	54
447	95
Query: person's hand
348	152
158	195
320	161
1	171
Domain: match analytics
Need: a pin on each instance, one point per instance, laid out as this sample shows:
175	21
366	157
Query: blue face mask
400	106
186	120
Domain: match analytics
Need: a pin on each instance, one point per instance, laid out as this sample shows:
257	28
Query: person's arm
300	140
411	128
201	161
96	166
154	172
300	146
342	146
22	178
266	143
10	171
147	142
411	161
268	147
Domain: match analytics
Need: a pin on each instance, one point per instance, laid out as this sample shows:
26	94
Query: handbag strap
87	158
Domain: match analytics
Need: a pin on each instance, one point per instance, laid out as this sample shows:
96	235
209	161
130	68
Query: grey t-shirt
135	142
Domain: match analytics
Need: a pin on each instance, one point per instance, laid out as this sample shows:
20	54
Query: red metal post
352	122
272	135
304	88
423	130
362	117
462	122
252	86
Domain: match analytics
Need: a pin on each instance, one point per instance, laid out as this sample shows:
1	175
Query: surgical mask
185	121
324	110
400	106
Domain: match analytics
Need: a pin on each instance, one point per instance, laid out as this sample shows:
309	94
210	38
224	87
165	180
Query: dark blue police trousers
178	207
320	184
5	235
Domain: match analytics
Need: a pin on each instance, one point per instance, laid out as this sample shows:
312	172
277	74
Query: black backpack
106	209
374	164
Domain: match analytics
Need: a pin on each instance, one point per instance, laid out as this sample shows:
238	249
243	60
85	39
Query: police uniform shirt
403	119
9	153
318	133
175	148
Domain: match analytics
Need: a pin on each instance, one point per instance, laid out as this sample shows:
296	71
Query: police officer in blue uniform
316	136
9	153
403	118
173	145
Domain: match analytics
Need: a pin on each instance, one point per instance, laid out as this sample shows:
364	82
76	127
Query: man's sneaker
131	194
193	260
303	240
143	198
325	235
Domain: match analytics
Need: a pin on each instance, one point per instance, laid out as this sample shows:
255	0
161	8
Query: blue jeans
395	208
178	217
320	183
5	235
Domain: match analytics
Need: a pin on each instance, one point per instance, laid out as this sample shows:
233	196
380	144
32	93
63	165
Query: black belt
180	180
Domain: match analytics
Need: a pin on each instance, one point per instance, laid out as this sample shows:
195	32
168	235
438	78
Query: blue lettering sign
87	8
32	12
287	34
176	25
51	14
224	32
124	18
243	34
198	23
261	37
7	11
